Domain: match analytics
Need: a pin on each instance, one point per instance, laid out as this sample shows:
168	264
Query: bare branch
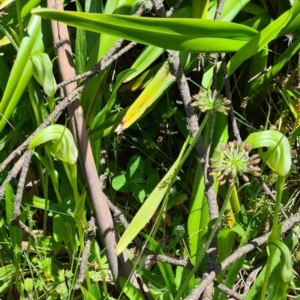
15	221
173	8
91	233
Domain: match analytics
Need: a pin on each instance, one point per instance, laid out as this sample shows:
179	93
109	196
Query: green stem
79	213
18	6
207	244
275	234
199	8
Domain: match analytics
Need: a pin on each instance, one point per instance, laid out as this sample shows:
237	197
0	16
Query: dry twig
91	233
15	221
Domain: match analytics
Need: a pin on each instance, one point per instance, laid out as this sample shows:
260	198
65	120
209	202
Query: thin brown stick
223	288
102	213
159	8
173	8
15	221
208	179
91	233
127	269
13	173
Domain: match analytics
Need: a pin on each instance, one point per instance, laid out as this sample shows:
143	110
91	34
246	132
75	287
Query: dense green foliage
141	141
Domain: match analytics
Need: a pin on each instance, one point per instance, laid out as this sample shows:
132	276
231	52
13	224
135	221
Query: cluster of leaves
150	171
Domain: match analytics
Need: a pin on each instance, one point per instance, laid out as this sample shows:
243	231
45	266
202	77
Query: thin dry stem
15	221
13	173
173	8
91	233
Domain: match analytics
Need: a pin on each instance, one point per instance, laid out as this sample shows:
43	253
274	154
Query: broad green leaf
90	295
138	191
262	38
198	218
114	7
143	80
135	168
145	59
16	233
119	183
153	201
191	35
148	209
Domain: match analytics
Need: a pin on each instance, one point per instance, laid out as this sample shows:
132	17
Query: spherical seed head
235	161
207	100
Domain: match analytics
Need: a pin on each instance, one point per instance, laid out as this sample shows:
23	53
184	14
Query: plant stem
21	30
275	234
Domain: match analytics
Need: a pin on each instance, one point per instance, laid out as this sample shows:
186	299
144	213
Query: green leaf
150	95
138	191
191	35
152	181
104	113
107	127
262	38
130	290
16	233
80	46
153	201
119	183
286	262
28	285
147	210
165	268
92	294
21	71
145	59
135	168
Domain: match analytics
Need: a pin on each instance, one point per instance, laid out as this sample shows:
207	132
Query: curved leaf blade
182	34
